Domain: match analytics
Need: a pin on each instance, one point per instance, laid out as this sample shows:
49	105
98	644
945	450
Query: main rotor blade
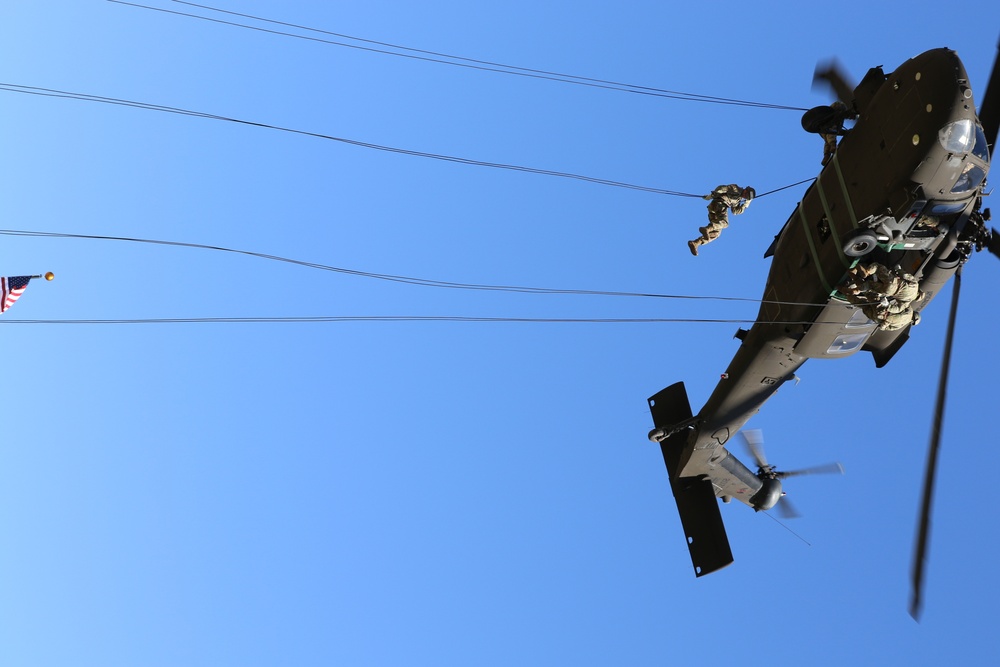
825	469
755	443
989	108
923	530
833	74
994	245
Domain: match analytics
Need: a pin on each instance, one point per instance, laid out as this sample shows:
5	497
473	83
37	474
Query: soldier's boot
693	246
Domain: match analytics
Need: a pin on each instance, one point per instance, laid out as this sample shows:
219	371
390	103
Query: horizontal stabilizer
703	526
670	406
696	502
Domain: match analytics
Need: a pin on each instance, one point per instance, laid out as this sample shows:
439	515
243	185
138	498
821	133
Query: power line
86	97
453	60
403	318
50	92
423	282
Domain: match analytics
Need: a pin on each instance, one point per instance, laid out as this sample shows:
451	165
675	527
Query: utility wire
455	61
424	282
86	97
399	318
50	92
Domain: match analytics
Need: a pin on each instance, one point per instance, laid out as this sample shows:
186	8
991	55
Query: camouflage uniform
722	199
888	283
884	294
829	147
835	129
891	321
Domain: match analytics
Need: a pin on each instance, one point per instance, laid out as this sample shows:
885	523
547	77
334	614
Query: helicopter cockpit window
981	150
946	208
971	177
957	137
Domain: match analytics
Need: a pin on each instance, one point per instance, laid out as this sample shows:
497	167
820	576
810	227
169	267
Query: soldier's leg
718	219
893	321
897	306
708	234
829	147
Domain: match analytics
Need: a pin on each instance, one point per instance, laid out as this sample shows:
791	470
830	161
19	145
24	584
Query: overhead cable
424	282
401	318
50	92
86	97
447	59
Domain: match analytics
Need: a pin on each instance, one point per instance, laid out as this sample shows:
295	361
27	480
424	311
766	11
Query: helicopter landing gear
862	243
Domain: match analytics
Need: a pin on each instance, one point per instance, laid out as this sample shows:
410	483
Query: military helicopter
904	189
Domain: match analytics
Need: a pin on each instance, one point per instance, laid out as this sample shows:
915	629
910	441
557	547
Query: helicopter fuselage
898	191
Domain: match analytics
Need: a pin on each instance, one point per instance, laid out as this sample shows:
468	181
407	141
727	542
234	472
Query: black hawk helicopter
903	189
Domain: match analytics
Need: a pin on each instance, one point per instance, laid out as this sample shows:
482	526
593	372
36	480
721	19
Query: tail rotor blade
786	509
923	529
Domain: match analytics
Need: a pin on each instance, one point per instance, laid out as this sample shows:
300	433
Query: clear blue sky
446	493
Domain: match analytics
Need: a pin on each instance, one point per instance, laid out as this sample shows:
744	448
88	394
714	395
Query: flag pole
48	275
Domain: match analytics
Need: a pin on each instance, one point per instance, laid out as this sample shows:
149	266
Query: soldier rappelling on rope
721	200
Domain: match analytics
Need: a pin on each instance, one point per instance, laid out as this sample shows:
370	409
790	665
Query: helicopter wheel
860	244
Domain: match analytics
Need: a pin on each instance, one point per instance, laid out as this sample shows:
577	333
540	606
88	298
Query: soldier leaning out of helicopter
828	123
721	200
884	294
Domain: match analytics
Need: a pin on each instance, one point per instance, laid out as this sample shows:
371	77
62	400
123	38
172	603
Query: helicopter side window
845	343
823	229
981	150
957	137
858	320
970	177
946	208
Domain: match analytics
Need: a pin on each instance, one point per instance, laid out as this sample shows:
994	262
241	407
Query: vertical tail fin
696	501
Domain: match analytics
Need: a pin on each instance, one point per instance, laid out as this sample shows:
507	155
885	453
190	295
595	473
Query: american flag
11	289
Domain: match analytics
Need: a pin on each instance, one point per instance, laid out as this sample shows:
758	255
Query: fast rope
85	97
50	92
